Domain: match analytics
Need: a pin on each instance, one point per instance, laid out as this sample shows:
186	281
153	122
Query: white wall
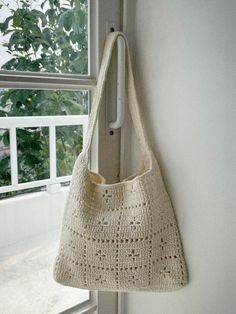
185	61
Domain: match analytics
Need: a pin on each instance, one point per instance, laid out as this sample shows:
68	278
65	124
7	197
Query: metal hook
120	104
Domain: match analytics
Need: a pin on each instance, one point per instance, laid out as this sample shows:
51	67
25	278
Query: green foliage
5	177
33	154
50	37
71	144
50	40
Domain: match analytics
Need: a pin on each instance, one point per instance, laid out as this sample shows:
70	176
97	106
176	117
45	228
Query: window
45	36
49	52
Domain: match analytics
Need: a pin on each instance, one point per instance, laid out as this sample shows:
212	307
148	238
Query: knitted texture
122	236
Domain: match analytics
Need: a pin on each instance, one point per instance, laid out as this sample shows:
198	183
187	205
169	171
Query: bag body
122	236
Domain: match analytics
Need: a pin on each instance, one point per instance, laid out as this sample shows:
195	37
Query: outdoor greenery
50	36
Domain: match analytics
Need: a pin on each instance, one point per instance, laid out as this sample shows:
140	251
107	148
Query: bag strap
130	90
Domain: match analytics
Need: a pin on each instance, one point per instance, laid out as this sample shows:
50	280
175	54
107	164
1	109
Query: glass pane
45	36
69	145
33	154
27	102
32	143
5	163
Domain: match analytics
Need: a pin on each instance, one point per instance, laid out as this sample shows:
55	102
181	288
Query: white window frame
103	14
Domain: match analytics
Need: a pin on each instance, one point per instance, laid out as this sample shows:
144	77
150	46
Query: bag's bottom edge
154	289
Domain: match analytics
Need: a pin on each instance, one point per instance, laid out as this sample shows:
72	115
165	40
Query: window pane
33	142
33	154
5	168
69	141
45	36
27	102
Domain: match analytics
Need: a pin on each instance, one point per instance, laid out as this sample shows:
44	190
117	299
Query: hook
120	104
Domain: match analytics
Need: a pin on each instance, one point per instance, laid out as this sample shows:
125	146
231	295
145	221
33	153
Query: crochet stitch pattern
122	236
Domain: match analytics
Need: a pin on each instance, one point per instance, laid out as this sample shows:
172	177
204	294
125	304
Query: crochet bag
122	236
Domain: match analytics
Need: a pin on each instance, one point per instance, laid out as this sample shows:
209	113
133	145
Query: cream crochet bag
122	236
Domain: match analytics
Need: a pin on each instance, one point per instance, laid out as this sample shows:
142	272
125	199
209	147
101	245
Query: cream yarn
122	236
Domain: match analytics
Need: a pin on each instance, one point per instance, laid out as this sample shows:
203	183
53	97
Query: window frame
103	14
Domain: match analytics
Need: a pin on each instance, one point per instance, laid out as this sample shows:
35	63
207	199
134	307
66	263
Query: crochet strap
130	89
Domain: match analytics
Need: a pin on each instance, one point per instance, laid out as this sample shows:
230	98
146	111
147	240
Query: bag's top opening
98	179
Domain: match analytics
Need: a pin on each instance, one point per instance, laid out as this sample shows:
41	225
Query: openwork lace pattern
124	236
121	237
